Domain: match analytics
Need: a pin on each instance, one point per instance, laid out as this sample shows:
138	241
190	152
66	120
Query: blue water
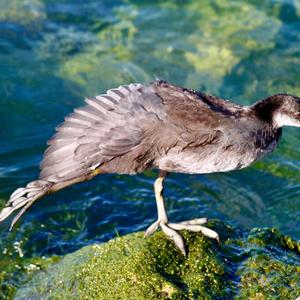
54	53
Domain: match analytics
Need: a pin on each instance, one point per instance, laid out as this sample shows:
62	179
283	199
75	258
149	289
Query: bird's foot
170	229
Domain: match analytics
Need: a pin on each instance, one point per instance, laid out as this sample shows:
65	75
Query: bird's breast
214	158
193	163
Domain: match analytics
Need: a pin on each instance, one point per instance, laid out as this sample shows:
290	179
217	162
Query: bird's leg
170	229
161	211
162	220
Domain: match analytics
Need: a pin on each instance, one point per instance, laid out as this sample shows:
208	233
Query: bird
161	126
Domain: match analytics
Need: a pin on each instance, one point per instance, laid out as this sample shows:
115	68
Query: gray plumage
158	125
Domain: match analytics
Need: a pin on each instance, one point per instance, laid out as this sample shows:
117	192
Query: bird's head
288	114
280	109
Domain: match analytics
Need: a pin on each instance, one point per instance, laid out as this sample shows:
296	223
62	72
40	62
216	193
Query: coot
157	126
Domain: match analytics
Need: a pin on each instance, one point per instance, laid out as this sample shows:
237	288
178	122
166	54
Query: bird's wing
109	126
136	122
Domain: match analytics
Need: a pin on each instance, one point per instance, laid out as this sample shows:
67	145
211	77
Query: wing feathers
87	111
109	125
96	104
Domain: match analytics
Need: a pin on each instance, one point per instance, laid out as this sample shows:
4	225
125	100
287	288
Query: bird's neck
268	132
267	109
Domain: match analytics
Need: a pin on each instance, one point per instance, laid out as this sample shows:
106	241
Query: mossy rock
260	264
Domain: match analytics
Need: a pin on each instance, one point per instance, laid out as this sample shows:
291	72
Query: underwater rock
256	264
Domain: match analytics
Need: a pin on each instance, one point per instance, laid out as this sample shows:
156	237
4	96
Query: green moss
266	278
272	269
272	237
245	265
133	267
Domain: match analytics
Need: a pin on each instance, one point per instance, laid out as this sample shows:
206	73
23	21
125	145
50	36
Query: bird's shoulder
195	109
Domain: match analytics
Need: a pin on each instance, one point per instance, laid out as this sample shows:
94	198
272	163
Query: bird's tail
24	198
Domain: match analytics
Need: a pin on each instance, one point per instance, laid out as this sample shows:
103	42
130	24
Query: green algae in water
258	264
233	31
24	12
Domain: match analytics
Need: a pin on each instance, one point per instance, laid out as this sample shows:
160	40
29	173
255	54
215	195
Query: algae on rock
246	265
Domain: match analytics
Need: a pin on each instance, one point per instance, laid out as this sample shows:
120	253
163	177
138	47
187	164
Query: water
53	53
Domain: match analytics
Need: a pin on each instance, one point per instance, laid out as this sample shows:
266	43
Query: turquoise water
54	53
